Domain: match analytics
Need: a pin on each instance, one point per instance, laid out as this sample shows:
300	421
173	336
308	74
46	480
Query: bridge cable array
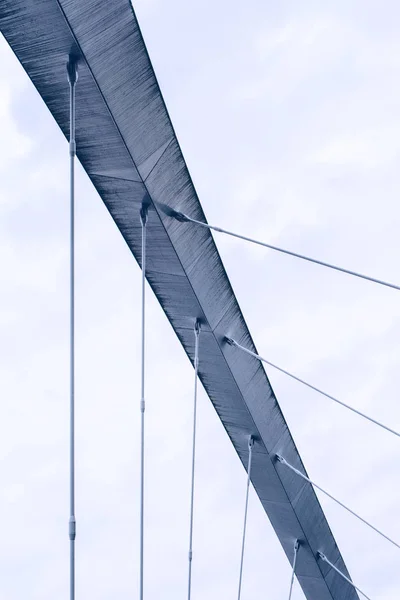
72	79
184	218
232	342
196	370
250	447
300	474
179	216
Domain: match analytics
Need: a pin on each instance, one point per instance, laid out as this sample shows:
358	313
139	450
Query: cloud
18	144
288	118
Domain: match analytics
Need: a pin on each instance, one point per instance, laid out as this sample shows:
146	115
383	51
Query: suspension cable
296	549
72	70
185	218
312	387
250	446
196	370
143	220
323	557
300	474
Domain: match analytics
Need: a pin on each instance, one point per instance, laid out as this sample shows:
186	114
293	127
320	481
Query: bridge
127	145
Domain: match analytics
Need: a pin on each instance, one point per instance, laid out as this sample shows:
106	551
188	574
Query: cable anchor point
144	214
72	70
181	217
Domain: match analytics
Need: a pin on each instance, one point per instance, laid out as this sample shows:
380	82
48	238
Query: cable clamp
142	405
72	528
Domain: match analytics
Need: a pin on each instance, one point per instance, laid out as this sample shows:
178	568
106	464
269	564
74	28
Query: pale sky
288	115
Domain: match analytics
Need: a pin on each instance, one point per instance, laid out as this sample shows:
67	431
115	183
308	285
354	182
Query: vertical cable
323	557
196	370
72	79
251	444
143	220
296	549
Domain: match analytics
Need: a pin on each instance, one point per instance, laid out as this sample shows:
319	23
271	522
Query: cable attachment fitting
72	528
143	214
181	217
197	336
229	341
296	545
280	458
322	556
251	442
72	70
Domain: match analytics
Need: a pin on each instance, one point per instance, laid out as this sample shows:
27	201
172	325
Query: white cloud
364	149
18	145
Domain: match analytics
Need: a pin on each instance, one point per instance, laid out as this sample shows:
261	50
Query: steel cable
196	371
185	218
250	446
312	387
323	557
143	220
72	71
300	474
296	550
